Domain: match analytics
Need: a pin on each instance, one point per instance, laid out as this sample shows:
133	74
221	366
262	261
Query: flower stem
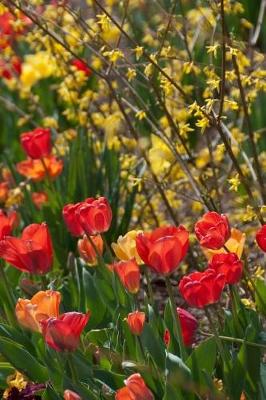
149	286
176	320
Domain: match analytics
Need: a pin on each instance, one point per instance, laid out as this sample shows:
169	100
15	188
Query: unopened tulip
87	250
129	275
39	199
136	321
70	395
188	324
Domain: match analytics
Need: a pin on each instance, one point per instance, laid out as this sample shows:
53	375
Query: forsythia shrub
133	198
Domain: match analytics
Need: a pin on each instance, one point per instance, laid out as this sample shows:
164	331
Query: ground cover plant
133	199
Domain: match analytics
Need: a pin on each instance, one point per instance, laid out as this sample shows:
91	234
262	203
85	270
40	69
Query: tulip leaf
153	344
260	295
22	360
93	299
112	379
6	369
198	362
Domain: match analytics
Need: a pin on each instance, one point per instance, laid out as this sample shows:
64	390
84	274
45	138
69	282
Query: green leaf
22	360
260	295
202	359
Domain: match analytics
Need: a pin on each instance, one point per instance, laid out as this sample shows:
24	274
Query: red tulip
81	66
87	250
135	389
72	219
36	143
136	321
212	230
261	238
164	248
32	252
70	395
129	274
95	215
200	289
188	324
7	223
227	264
63	333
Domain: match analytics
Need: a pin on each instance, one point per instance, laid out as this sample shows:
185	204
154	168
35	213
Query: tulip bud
261	238
136	321
70	395
87	251
129	275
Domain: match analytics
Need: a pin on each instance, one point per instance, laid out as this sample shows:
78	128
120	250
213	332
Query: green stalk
176	320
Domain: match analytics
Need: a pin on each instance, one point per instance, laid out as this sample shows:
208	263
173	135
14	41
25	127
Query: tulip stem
149	286
10	299
108	249
72	368
219	345
51	184
235	340
176	320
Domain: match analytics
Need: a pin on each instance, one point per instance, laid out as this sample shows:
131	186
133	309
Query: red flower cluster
63	333
32	253
164	248
90	217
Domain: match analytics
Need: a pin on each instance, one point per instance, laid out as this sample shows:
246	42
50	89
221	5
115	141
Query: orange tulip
129	275
4	188
34	169
136	321
43	305
135	389
70	395
87	251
